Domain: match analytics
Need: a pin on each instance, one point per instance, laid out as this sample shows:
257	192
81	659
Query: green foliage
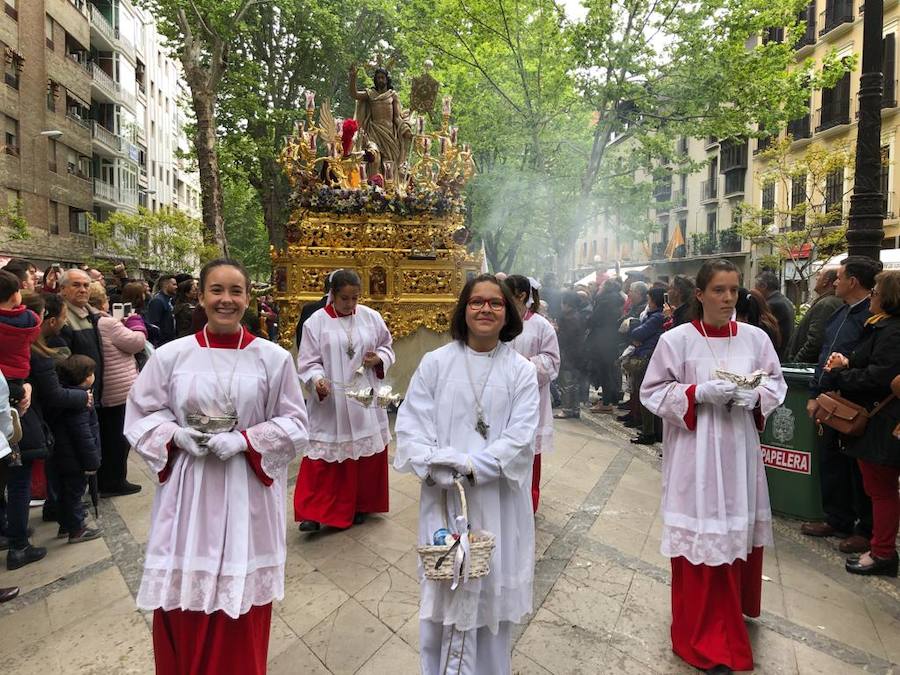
811	229
244	226
167	240
16	224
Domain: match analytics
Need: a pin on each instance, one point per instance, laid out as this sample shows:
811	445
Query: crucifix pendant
351	351
481	427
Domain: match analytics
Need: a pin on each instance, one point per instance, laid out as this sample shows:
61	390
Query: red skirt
536	483
331	493
196	643
708	608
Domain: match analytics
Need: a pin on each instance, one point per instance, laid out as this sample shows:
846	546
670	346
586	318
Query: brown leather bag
845	417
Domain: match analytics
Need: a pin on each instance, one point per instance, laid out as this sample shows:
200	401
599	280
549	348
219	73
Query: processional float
398	222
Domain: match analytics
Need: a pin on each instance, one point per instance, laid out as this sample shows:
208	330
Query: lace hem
470	607
715	549
274	446
543	440
208	592
340	450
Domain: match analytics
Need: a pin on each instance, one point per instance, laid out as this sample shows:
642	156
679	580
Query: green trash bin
789	452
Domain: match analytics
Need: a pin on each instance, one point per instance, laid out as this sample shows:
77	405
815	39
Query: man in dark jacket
161	310
571	355
644	337
602	346
80	332
847	508
311	308
810	332
767	283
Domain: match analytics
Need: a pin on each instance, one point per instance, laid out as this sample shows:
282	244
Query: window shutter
889	51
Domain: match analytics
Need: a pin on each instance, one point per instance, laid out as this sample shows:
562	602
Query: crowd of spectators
72	341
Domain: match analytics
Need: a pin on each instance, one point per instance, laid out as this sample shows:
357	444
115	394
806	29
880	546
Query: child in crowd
19	327
77	451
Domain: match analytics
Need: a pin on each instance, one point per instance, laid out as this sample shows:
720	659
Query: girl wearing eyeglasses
471	411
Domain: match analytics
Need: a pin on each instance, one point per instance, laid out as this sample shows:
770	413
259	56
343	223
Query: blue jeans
71	501
18	496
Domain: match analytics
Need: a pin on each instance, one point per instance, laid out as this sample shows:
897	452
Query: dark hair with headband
342	278
521	284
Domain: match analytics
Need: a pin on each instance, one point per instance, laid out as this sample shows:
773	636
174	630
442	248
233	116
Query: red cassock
708	609
195	643
331	493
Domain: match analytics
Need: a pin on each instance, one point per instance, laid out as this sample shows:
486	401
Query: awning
593	277
890	258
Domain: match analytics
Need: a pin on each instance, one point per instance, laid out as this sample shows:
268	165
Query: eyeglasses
496	304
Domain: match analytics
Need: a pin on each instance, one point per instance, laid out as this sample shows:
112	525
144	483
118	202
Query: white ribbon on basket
462	559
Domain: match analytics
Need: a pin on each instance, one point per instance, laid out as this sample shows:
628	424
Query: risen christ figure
381	121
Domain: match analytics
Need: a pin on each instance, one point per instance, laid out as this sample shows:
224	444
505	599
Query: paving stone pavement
351	598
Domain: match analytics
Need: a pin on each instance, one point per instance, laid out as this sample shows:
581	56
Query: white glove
746	398
191	441
716	392
458	461
442	476
227	445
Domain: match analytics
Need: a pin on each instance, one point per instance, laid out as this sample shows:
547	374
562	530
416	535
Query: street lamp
50	134
865	231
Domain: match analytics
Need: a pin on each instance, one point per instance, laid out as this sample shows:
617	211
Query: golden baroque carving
411	269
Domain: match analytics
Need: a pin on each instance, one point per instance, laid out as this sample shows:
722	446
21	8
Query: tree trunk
204	104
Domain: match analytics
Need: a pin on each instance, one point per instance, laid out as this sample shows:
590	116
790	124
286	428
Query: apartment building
694	215
90	105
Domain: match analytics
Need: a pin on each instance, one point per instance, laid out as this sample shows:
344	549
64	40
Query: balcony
716	243
833	114
110	140
679	200
105	191
101	25
709	190
734	182
837	13
104	82
799	128
128	99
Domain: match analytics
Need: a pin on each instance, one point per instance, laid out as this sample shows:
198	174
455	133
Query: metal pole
865	232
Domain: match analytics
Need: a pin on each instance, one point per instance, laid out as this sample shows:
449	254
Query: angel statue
382	121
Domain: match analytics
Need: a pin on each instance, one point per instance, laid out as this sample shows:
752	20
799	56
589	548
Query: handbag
845	417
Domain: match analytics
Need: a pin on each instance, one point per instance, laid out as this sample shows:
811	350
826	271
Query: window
888	59
711	218
11	139
835	108
798	203
78	221
768	204
12	66
71	161
834	193
53	217
51	154
48	31
10	7
52	95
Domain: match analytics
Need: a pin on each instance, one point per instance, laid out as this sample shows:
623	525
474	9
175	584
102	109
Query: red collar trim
217	341
15	311
333	313
528	315
711	331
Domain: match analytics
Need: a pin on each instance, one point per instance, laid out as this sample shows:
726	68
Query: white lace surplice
217	534
538	344
715	499
439	412
340	428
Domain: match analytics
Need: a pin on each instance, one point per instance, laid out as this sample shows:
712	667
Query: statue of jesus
382	122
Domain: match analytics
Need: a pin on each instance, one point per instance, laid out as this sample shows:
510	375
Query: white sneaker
36	502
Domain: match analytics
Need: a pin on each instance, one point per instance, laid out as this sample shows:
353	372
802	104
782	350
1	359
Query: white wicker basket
437	561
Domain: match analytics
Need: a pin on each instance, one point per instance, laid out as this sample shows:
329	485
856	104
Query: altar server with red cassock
471	410
216	551
538	344
344	475
715	500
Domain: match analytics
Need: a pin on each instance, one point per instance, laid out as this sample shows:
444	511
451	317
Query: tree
508	66
14	222
809	223
202	33
286	50
166	240
247	237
